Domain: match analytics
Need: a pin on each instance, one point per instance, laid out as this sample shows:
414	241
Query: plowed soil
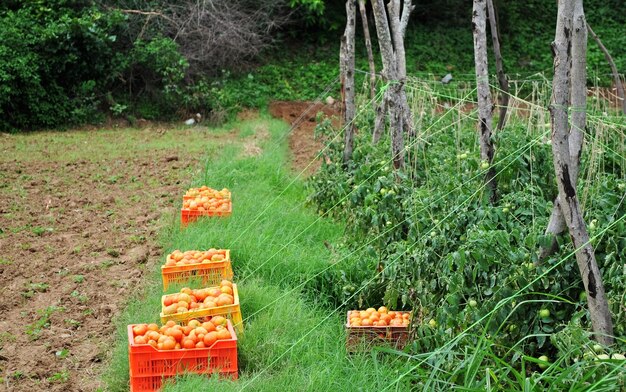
80	215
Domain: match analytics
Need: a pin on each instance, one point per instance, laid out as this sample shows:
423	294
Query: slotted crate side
187	216
231	312
209	274
149	366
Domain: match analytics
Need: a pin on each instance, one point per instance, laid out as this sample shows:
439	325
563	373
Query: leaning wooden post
585	257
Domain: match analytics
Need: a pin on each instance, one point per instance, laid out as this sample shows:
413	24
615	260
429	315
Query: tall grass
283	348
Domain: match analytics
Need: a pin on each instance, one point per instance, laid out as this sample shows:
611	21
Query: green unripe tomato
543	358
472	303
544	313
598	348
505	210
588	355
484	165
432	323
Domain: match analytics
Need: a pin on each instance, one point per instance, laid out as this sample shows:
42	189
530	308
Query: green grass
290	341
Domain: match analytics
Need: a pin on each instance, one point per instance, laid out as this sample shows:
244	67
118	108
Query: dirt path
302	144
80	214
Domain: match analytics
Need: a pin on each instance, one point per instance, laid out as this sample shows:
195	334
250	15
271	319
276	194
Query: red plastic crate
187	215
149	367
209	274
364	337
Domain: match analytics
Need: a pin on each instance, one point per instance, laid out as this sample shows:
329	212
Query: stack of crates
149	367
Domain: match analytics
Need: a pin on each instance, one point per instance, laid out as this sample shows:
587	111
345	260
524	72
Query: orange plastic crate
209	274
231	312
149	367
364	337
187	215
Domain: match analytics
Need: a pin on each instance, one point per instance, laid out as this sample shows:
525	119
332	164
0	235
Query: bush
53	59
69	62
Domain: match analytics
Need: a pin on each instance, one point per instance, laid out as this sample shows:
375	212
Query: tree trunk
578	96
479	27
368	46
618	81
347	80
390	75
590	273
399	23
502	80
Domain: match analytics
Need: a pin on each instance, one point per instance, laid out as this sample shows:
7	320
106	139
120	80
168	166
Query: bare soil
80	215
302	116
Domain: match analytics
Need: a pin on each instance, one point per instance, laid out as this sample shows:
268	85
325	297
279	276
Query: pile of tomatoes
206	199
191	300
178	258
378	318
172	336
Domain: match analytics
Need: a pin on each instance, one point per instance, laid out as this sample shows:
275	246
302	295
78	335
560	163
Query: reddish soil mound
302	118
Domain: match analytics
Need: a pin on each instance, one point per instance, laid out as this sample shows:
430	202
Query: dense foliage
64	64
74	61
428	239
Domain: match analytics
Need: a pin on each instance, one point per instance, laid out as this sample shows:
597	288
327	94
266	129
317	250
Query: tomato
188	343
169	344
226	290
210	338
218	320
214	292
223	334
140	329
194	323
176	334
225	299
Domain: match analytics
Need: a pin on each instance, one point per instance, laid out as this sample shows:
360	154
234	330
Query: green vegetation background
67	62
